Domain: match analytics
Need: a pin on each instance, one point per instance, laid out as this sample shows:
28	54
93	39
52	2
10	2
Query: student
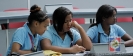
105	27
61	37
25	39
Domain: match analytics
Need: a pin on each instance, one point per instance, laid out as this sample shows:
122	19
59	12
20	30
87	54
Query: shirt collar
28	29
100	29
52	29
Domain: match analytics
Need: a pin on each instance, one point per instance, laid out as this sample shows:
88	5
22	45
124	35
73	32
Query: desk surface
128	50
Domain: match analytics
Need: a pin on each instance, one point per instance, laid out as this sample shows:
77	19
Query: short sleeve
76	36
120	31
91	32
47	35
19	36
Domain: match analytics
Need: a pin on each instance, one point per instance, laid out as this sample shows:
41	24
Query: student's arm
92	33
16	48
85	42
18	41
127	38
46	45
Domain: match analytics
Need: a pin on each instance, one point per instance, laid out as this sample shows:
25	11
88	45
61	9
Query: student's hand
76	49
75	25
33	50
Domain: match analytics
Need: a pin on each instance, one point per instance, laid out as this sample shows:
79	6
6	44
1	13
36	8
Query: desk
128	50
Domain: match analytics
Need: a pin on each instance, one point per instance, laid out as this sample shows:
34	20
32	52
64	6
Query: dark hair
105	11
59	16
36	14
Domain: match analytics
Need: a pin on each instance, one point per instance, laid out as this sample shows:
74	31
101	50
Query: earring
56	24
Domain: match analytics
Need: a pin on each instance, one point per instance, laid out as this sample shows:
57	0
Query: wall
8	4
86	3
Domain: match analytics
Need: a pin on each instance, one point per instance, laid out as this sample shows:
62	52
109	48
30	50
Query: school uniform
25	38
95	31
56	40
